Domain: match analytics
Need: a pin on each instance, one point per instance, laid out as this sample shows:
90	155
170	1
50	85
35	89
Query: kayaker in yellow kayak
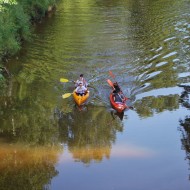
81	79
81	90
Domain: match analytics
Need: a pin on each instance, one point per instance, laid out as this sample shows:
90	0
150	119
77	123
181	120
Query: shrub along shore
16	20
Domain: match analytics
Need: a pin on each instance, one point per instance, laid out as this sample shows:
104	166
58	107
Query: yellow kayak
80	99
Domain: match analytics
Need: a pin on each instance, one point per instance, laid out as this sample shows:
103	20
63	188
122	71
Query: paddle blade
110	83
66	95
64	80
111	74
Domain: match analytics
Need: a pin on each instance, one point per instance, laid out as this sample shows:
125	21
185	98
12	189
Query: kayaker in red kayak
116	88
118	94
119	97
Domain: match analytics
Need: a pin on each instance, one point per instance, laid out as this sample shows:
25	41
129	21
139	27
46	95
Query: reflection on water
184	97
92	139
131	151
185	137
43	132
117	114
150	105
26	168
144	43
185	123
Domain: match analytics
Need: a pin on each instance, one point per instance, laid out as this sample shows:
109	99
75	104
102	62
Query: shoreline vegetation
17	18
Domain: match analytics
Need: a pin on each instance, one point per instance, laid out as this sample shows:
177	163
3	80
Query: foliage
15	22
36	9
2	81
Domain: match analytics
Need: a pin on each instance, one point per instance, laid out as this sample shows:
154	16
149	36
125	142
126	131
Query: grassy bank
16	19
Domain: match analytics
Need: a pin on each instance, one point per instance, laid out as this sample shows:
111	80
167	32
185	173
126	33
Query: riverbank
17	19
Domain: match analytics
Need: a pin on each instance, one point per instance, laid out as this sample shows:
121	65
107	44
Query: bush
15	23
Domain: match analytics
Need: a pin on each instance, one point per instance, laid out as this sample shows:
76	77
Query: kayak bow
80	99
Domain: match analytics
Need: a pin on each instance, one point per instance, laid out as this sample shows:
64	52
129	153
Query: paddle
65	80
66	95
110	83
111	74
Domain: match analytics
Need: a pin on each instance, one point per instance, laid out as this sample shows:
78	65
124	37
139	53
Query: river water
46	142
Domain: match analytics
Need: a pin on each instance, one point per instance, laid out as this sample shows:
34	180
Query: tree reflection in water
185	133
185	124
26	168
89	134
184	98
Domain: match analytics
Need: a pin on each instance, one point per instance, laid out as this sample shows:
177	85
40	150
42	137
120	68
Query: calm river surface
46	142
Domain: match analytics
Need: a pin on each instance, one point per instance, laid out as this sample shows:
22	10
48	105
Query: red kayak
119	106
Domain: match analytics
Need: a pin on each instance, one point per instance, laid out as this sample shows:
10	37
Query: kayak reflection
117	114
